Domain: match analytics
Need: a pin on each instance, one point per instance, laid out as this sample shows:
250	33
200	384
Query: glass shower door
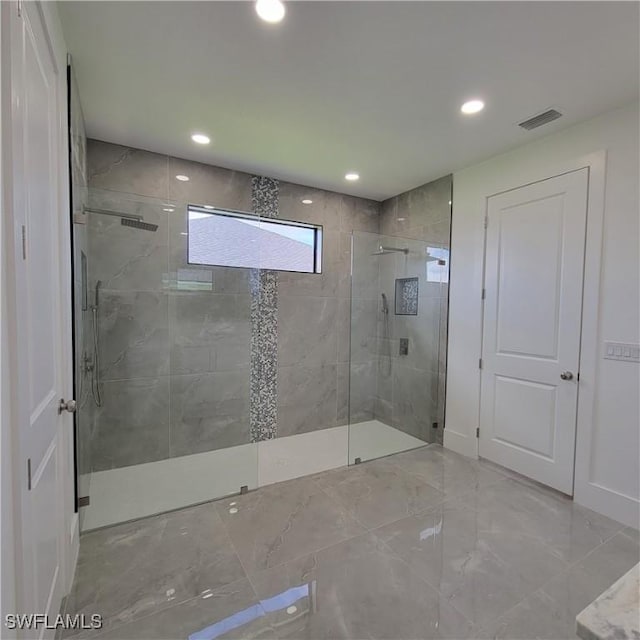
165	362
398	305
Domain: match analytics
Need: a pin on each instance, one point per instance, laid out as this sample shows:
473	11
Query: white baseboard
460	443
608	502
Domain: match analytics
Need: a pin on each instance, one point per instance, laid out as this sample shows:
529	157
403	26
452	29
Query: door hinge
480	363
477	432
84	501
578	377
24	242
28	474
484	294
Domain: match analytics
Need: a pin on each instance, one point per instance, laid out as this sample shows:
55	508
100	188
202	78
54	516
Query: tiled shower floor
423	544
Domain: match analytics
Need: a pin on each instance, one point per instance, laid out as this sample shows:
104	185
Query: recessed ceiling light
168	209
200	138
182	178
472	106
352	177
307	201
270	10
401	219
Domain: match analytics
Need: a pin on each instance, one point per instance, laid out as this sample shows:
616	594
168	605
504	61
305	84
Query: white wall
608	437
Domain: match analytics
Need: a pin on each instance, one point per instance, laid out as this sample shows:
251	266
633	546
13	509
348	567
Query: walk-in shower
196	381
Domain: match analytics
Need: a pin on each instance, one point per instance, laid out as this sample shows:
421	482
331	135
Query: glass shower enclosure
162	364
399	297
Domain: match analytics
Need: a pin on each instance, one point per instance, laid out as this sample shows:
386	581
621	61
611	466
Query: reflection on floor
126	493
422	544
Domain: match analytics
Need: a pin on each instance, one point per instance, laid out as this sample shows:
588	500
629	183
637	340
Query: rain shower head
126	219
138	224
382	250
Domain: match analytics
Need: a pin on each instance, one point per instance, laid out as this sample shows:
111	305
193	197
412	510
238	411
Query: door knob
566	375
67	405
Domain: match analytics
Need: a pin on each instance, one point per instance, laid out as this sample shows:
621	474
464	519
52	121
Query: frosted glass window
233	239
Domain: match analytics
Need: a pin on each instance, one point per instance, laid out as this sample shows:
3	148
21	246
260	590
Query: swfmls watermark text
43	621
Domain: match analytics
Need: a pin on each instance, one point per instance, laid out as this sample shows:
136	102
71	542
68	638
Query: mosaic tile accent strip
407	296
263	390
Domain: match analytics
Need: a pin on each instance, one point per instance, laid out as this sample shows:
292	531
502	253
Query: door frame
589	345
13	412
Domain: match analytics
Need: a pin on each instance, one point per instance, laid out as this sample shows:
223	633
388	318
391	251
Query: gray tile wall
175	339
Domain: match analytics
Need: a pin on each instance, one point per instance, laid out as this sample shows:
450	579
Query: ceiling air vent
540	119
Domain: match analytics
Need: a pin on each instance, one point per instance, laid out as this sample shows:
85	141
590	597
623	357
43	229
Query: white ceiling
373	87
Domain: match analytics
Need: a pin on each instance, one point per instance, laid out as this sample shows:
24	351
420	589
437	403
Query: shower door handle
67	405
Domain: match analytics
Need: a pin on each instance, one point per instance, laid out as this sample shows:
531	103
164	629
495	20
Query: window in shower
218	237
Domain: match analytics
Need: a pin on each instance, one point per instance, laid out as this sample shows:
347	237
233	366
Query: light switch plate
625	351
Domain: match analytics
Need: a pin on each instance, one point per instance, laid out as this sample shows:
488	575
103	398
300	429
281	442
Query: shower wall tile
358	214
323	284
362	393
209	411
209	332
410	214
344	265
413	401
127	170
132	426
307	399
343	393
363	339
307	331
344	330
208	185
125	258
134	334
323	209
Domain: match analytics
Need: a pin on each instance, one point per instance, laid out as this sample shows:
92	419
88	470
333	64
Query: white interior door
37	261
531	336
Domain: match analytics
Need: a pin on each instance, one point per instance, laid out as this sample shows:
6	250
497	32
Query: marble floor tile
230	611
134	569
359	589
423	544
481	573
571	530
447	471
378	492
536	617
285	521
